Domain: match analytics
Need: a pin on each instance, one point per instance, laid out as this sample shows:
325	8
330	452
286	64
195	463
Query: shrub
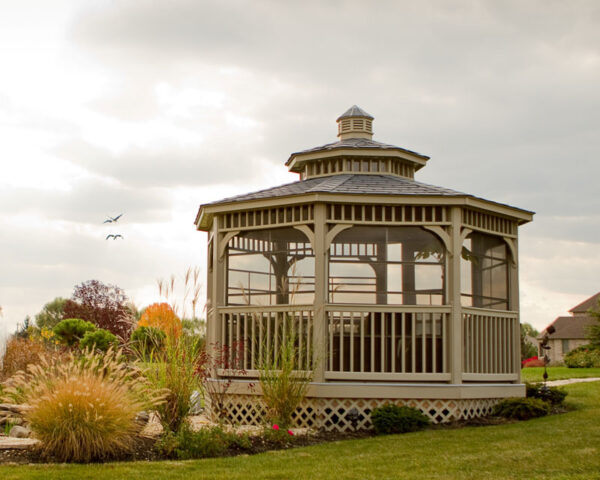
533	362
522	408
71	330
174	370
161	316
215	391
586	356
207	442
83	408
395	419
99	339
554	395
283	382
20	353
147	341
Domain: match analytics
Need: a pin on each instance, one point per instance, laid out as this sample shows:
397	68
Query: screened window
270	267
387	265
484	272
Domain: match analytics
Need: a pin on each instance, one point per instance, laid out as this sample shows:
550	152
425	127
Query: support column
212	320
456	340
321	293
513	304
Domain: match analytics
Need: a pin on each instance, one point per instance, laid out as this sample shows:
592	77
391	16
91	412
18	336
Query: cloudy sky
151	108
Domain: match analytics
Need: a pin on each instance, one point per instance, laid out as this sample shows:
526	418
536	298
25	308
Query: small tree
593	333
103	305
51	313
161	316
528	350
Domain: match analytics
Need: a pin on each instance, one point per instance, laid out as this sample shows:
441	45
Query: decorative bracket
440	232
512	246
306	230
224	241
332	233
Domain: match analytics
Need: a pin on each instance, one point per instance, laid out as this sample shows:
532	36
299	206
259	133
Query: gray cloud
502	95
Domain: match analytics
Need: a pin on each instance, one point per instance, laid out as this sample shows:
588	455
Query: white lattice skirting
331	414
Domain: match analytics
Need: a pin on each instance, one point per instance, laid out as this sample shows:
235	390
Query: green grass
534	374
563	446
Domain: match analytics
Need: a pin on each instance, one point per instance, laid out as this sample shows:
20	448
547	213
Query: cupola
355	123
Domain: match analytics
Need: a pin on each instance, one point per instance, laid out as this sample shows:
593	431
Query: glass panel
269	267
387	265
484	272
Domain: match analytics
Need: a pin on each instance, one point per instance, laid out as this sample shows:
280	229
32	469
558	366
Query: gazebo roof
355	144
347	184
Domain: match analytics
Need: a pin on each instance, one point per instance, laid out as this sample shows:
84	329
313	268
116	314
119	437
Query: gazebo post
321	292
456	340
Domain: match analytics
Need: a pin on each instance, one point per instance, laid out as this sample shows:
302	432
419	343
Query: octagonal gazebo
396	290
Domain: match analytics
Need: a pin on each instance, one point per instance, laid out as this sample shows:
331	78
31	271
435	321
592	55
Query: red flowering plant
229	360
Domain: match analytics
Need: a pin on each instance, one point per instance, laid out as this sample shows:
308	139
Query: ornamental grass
84	408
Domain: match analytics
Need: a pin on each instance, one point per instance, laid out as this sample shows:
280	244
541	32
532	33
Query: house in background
570	332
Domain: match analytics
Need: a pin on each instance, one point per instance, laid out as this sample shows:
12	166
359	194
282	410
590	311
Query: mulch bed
144	449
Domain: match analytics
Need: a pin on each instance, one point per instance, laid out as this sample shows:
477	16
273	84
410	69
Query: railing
490	344
374	342
253	334
388	343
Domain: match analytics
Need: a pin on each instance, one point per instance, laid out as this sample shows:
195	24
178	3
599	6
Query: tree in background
528	349
593	333
103	305
51	313
161	316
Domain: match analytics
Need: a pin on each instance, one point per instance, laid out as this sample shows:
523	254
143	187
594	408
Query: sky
152	108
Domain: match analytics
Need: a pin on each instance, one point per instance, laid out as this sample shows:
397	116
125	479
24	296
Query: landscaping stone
11	443
19	432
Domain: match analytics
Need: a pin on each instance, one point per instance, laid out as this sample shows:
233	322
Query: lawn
563	446
534	374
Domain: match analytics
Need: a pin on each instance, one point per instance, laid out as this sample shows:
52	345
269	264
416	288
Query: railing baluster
433	342
351	339
382	342
402	319
413	337
372	322
423	344
362	342
444	342
393	339
300	342
330	333
341	352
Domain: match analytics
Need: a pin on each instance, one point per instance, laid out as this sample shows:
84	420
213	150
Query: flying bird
114	237
112	219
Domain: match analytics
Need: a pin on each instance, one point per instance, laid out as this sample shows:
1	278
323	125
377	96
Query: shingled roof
590	303
570	327
355	111
348	184
355	143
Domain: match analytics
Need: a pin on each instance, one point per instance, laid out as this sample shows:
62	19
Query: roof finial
355	123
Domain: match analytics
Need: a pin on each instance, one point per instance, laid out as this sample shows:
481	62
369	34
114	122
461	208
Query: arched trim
440	232
306	230
225	240
333	232
513	249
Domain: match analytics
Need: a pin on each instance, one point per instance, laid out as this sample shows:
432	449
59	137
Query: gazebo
396	290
